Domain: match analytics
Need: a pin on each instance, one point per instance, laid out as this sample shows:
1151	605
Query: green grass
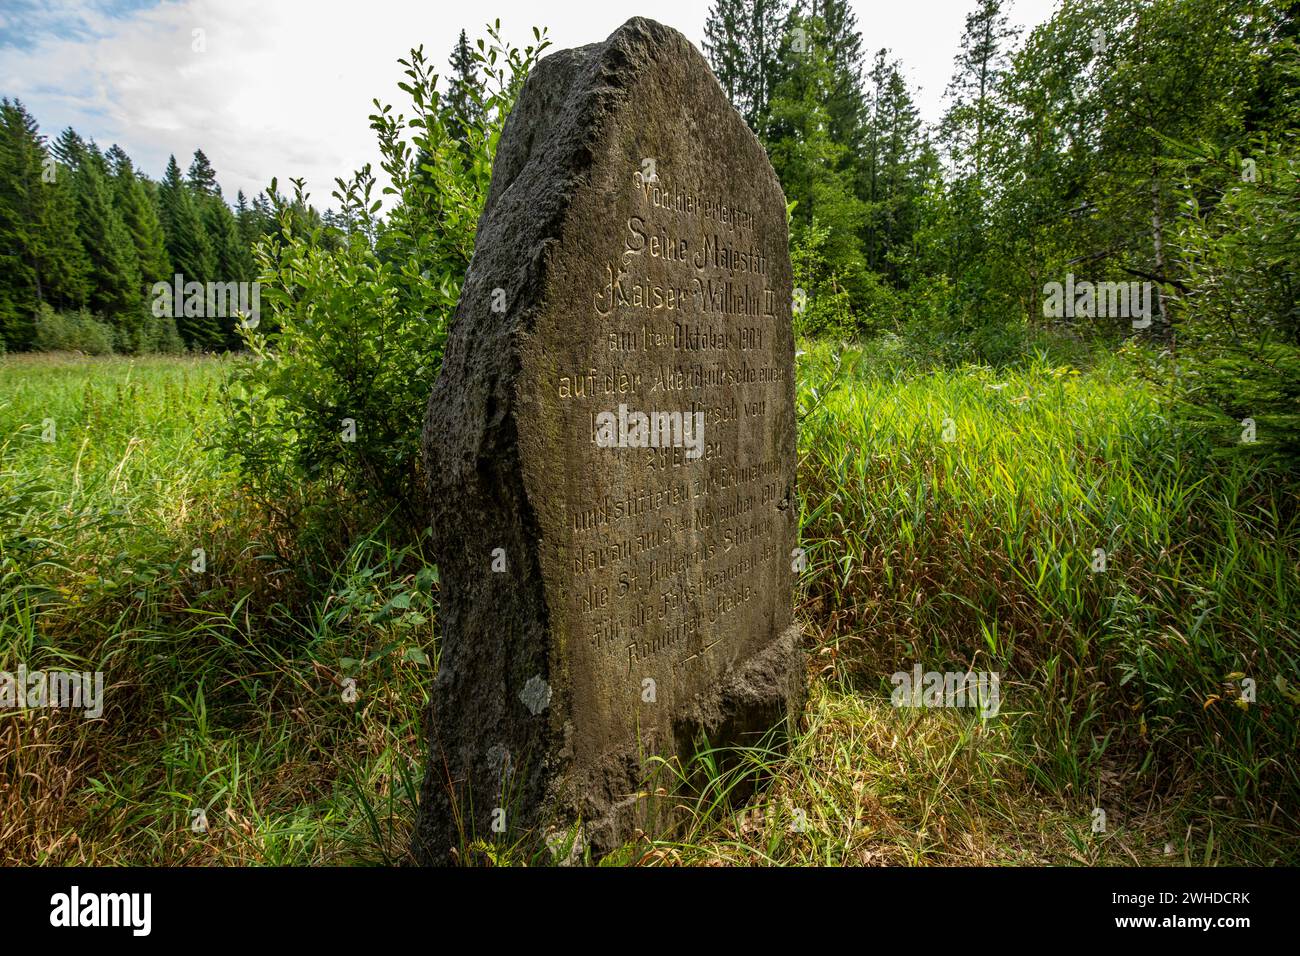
223	692
977	552
1120	690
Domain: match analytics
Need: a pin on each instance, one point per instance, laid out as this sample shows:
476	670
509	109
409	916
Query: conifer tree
810	163
976	110
464	101
117	288
845	106
190	252
744	40
202	177
41	258
889	184
140	217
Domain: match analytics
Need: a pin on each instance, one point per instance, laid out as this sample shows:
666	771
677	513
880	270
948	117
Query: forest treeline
1080	148
85	236
1134	145
1123	146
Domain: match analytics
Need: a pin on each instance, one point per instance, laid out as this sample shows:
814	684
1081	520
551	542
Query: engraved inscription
686	320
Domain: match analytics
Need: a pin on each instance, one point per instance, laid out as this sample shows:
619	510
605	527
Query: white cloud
285	88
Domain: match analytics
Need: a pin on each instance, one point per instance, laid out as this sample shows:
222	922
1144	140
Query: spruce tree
811	166
187	244
117	288
889	183
744	40
845	106
202	177
140	217
464	101
245	221
65	267
230	256
191	253
976	109
725	36
41	256
69	148
20	181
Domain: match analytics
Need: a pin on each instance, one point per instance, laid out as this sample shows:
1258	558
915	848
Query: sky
284	87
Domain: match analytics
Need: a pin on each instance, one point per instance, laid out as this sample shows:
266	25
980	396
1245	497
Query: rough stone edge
777	673
560	87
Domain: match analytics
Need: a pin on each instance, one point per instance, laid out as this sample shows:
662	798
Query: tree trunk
1162	330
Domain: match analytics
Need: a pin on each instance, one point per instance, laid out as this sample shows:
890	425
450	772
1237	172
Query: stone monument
610	447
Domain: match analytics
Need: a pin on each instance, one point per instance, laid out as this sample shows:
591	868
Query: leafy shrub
1240	332
162	336
343	365
149	334
72	332
825	302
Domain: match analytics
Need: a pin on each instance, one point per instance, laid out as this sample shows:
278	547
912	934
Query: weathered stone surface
600	605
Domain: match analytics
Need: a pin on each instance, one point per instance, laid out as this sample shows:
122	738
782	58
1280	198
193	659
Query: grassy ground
950	521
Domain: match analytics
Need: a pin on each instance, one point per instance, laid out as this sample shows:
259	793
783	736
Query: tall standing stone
611	455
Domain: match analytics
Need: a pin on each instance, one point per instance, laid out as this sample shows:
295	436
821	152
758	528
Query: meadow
1132	581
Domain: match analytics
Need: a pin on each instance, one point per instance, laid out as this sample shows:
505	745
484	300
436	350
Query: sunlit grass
951	520
223	694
